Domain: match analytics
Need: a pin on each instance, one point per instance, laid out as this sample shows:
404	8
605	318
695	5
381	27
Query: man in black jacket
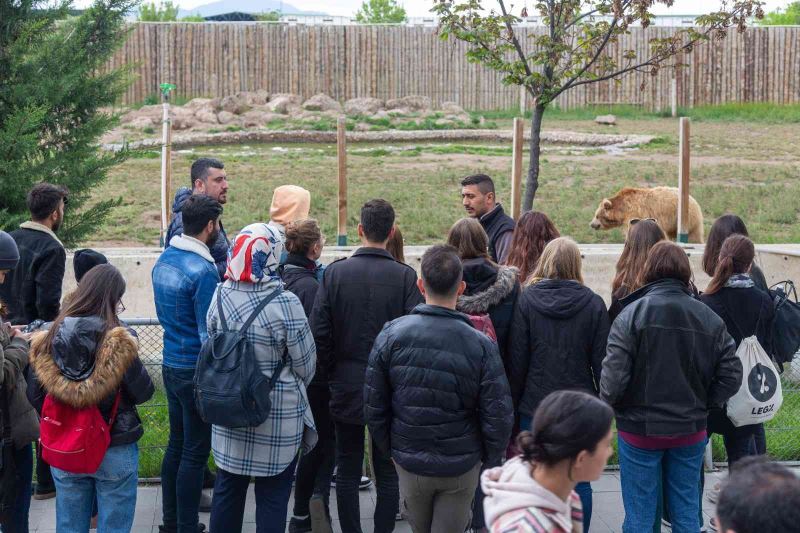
480	201
437	399
358	295
32	291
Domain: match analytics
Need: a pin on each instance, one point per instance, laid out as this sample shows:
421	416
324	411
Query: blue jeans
272	501
640	471
18	522
583	489
114	483
187	453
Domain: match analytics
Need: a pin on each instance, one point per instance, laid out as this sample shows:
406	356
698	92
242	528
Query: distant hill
245	6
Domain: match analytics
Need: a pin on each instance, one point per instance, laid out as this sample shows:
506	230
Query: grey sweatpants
437	504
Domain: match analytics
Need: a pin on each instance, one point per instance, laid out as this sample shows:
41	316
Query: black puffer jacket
669	360
358	295
436	395
491	289
81	368
558	341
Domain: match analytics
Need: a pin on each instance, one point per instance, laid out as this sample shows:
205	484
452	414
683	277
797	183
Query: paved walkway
607	504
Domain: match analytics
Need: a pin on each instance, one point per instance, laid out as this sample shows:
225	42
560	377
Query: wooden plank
683	181
341	155
516	169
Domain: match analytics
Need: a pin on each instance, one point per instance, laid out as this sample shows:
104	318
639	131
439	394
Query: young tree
164	11
572	50
790	16
53	85
381	12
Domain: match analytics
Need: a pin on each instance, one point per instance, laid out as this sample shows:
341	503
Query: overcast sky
419	8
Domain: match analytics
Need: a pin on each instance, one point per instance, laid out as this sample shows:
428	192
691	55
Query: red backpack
75	440
483	323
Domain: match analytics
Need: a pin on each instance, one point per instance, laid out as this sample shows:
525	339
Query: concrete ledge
779	262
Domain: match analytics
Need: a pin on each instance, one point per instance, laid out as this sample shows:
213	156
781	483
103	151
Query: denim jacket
184	280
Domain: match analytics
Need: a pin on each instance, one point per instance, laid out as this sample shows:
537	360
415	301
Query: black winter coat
358	295
746	312
33	289
491	290
82	369
558	341
669	360
299	276
436	395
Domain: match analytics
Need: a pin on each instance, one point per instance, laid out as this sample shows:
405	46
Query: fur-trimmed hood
82	367
481	302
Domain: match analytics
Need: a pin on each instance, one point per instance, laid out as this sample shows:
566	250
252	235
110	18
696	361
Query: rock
442	122
206	115
226	117
256	118
322	102
253	98
398	112
380	115
608	120
414	103
452	108
235	105
182	118
152	112
363	106
141	123
197	103
463	118
283	103
362	126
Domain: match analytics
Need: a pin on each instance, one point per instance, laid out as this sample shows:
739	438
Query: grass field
745	160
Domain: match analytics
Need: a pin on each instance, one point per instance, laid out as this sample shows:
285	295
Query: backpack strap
741	331
278	369
258	310
222	322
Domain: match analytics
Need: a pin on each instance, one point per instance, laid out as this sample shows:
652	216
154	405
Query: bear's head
607	216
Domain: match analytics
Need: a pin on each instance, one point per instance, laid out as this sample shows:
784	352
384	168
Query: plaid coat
267	450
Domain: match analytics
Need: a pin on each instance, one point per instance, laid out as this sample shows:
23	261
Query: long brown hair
735	257
642	236
98	294
561	259
723	227
667	260
469	238
534	230
395	245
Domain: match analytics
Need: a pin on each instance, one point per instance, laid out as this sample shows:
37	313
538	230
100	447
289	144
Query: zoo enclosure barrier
783	432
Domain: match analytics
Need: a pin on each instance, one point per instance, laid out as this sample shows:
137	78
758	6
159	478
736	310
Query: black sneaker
44	493
300	525
363	484
164	529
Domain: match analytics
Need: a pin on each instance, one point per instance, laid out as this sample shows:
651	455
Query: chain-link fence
783	432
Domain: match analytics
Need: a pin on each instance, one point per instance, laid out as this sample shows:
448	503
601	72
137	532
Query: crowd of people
483	391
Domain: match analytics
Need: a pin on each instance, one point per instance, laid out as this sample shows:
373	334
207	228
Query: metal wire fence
783	432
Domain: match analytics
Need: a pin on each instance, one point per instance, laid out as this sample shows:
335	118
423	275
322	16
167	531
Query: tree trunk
532	183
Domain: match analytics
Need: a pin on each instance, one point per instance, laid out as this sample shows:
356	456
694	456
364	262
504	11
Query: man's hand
18	331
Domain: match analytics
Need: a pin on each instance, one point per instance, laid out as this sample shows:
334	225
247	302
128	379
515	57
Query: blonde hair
560	259
468	237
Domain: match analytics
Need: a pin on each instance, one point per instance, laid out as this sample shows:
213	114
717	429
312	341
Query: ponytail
735	257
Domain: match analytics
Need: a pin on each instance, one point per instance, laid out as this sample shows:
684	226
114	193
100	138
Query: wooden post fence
341	152
683	181
516	169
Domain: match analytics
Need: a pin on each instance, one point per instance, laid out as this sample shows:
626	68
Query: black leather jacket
669	360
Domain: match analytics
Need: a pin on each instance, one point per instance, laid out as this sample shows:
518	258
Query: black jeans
44	479
349	458
272	501
187	453
316	467
18	521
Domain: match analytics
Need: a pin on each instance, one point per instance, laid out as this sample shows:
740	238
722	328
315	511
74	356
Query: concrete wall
779	262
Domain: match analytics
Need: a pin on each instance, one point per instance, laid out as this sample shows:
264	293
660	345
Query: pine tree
54	87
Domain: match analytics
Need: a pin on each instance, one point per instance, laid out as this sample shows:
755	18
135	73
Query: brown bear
660	203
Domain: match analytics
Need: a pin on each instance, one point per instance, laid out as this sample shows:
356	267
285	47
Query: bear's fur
660	203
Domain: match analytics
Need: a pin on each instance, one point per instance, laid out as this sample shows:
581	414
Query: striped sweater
516	503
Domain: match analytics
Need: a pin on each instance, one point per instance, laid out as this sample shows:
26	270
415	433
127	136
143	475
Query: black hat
9	253
84	260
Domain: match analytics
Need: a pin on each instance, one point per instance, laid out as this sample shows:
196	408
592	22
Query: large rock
608	120
152	112
206	115
322	102
141	123
363	106
381	114
197	103
283	103
235	105
414	103
257	118
254	98
226	117
452	108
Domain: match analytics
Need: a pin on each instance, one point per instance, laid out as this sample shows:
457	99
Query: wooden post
341	146
673	96
166	168
522	97
683	181
516	169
